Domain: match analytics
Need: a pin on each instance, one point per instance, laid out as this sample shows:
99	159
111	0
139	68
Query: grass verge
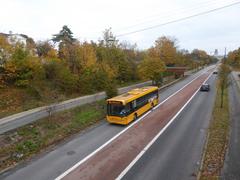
24	142
217	140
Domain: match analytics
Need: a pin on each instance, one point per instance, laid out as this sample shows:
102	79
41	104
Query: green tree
65	36
223	79
110	52
59	74
67	47
111	89
151	68
132	58
23	68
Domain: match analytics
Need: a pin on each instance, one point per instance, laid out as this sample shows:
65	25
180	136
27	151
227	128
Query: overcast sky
87	19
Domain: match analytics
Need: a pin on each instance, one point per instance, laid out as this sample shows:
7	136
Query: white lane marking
117	135
124	172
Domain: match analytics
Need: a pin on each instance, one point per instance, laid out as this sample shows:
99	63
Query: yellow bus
127	107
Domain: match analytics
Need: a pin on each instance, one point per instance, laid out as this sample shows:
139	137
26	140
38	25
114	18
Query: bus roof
133	94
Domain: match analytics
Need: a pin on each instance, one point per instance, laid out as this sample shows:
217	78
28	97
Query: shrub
22	83
111	90
61	76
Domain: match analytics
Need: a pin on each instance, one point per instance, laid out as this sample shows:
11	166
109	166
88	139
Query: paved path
235	75
231	170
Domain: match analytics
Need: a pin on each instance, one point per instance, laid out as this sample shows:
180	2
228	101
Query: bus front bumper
117	120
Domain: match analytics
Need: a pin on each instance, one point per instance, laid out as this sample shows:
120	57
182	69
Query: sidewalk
232	160
236	76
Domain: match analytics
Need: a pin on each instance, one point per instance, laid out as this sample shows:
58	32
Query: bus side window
128	108
131	107
134	104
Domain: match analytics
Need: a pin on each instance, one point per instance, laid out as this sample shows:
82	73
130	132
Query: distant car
205	87
215	72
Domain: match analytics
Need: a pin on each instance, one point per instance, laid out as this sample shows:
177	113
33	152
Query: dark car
205	87
215	72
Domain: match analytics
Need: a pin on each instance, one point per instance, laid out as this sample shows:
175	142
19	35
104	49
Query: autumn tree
45	50
22	68
233	58
201	56
5	49
183	58
30	45
165	49
87	56
151	68
87	67
94	74
111	53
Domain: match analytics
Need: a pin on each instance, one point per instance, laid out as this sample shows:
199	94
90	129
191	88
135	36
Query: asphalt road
177	152
51	164
231	170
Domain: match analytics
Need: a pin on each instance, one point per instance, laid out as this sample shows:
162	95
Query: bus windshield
116	109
